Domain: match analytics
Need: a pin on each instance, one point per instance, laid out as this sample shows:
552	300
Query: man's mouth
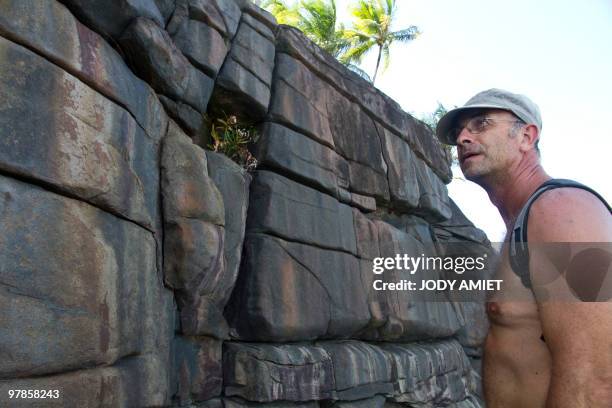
467	155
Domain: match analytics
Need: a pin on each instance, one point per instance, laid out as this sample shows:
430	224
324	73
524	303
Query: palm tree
372	28
317	19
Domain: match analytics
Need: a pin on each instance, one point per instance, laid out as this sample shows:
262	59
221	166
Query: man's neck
511	194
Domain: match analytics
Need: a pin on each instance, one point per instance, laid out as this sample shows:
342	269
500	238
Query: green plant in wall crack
233	138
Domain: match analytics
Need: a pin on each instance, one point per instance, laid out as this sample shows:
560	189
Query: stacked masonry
139	269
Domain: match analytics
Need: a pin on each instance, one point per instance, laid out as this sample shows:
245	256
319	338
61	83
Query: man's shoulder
569	214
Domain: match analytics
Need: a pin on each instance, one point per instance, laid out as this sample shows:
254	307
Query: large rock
403	183
434	203
156	59
233	183
421	374
200	43
288	291
401	315
63	134
49	29
253	50
194	262
382	108
189	119
230	12
137	381
282	207
243	85
208	13
80	287
197	369
265	373
293	153
111	19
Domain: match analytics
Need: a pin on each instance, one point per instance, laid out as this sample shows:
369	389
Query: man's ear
529	136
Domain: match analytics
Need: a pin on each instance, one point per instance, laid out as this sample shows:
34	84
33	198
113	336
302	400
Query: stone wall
139	269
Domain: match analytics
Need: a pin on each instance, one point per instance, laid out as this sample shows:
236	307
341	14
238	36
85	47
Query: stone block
377	401
287	292
80	287
230	12
139	381
294	154
187	190
155	58
404	187
239	91
189	119
203	46
291	108
63	134
166	8
233	184
111	19
240	403
266	372
419	374
381	107
197	369
260	22
49	29
364	179
282	207
254	51
434	203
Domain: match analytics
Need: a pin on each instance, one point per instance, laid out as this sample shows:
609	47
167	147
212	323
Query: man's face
485	144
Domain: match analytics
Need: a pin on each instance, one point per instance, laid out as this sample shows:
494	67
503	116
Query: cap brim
447	122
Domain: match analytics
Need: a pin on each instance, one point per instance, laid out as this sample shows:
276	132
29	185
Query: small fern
232	138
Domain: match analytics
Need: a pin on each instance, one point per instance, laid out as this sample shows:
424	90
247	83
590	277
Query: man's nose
464	137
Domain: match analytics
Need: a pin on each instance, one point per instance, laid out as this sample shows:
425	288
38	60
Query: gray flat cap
520	105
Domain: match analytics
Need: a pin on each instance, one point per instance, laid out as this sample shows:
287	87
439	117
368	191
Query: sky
558	53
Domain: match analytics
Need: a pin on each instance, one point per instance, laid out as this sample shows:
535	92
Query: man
540	351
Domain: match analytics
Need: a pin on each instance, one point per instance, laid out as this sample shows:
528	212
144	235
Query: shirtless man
539	352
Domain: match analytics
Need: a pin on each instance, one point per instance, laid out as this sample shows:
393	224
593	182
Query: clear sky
559	53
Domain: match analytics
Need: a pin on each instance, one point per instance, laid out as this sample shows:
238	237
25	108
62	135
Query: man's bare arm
577	333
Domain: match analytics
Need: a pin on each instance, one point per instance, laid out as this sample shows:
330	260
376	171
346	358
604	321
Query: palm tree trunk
377	64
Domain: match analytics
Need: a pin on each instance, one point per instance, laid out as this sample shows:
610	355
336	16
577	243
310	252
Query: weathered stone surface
189	119
293	153
139	381
404	315
61	133
423	374
205	11
260	22
230	12
238	91
187	190
240	403
365	203
374	402
254	51
285	292
300	99
282	207
201	44
111	18
79	287
403	184
434	203
156	59
233	183
264	373
48	28
459	228
363	179
166	8
380	106
197	369
293	109
194	262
